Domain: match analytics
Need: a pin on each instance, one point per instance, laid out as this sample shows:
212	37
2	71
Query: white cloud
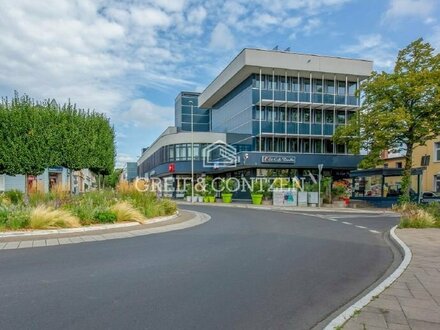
373	47
410	8
144	113
312	25
222	37
123	158
150	17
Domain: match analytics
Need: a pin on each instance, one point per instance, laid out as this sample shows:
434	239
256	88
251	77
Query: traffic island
42	238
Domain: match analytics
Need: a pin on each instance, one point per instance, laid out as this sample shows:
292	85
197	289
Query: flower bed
59	209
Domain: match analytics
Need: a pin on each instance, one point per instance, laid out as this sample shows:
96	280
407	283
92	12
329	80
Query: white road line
361	227
374	231
346	223
333	219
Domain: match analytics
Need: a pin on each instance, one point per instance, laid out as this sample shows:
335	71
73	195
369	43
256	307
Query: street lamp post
192	151
320	166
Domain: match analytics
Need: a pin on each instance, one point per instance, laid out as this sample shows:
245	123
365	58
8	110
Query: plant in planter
188	192
209	191
257	192
267	193
227	186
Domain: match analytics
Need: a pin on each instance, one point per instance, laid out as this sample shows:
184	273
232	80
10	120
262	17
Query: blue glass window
341	87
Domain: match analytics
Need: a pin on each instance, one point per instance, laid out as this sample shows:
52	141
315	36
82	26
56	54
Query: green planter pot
227	198
211	199
257	199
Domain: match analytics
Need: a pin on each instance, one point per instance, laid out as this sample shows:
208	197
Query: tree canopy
37	135
401	109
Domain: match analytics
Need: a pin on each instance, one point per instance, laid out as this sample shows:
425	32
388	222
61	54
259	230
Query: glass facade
315	90
201	117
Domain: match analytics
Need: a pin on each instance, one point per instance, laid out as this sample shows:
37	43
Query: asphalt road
244	269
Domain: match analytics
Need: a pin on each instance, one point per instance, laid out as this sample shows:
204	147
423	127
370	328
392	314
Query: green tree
112	180
401	109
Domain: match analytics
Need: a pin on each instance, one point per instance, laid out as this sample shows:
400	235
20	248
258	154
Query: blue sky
130	59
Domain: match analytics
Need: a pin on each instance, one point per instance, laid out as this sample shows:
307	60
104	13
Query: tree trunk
406	178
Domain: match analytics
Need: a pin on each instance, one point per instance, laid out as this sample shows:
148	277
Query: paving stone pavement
185	219
413	300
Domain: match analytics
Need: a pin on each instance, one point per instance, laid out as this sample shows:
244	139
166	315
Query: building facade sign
278	159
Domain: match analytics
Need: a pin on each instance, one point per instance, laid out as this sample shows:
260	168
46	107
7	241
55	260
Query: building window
317	118
306	146
317	85
282	114
437	151
437	183
329	116
340	148
292	145
399	165
305	85
385	165
282	83
293	115
352	88
341	87
270	82
306	115
269	116
318	146
329	146
329	86
295	85
340	117
276	114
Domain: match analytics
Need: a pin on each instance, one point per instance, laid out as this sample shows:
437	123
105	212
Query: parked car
430	197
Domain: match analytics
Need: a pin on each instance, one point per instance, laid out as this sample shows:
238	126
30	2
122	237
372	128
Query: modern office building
129	171
278	110
185	103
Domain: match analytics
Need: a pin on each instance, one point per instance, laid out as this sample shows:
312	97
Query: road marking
374	231
361	227
346	223
333	219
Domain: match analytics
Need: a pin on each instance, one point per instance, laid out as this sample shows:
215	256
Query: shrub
85	212
5	201
38	198
105	216
17	218
168	206
15	196
3	215
126	212
45	217
414	216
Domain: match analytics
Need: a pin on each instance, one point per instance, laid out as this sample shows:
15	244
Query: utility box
312	198
285	197
302	198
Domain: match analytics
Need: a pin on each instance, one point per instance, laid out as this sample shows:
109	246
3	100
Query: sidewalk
413	300
185	219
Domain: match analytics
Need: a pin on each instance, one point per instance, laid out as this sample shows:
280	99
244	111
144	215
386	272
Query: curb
42	232
365	300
